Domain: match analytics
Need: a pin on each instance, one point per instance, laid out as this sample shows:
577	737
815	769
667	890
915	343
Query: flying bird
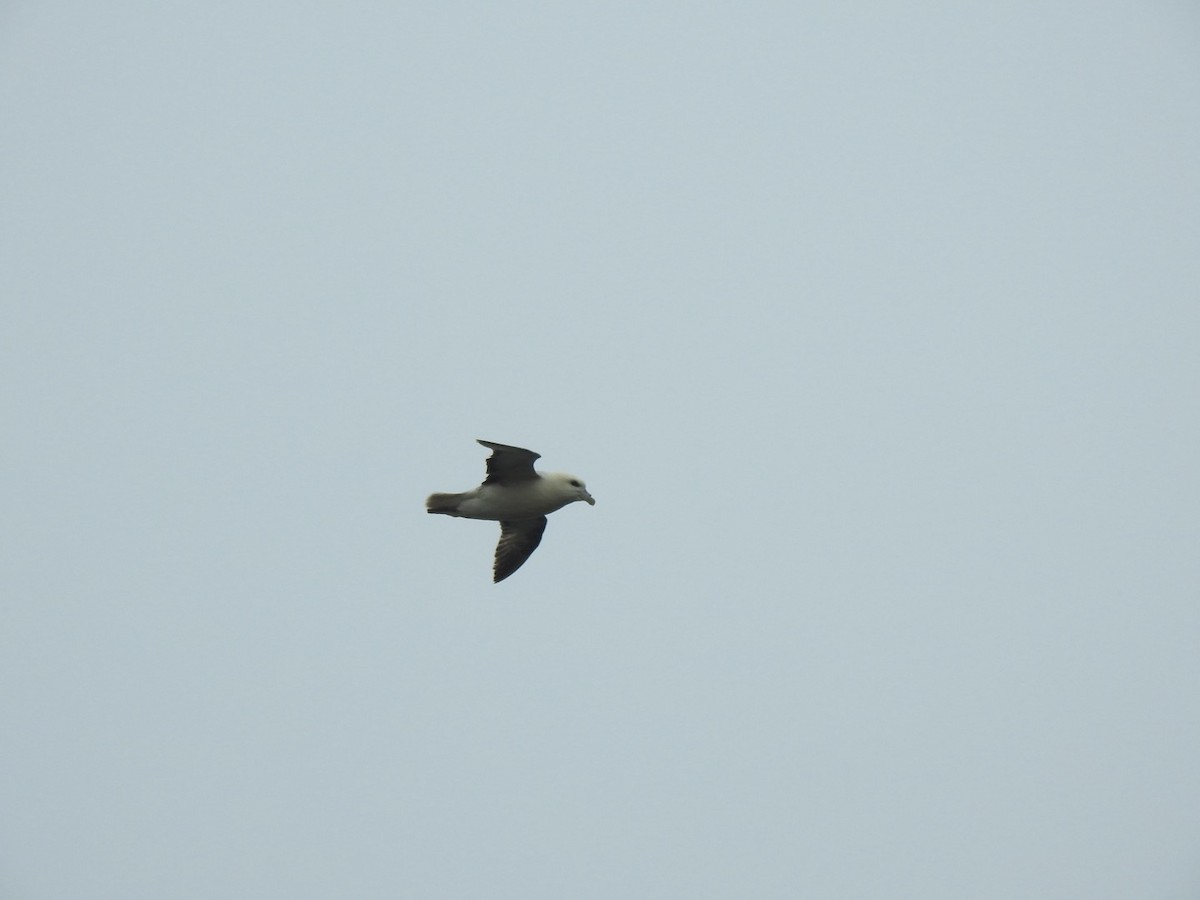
517	497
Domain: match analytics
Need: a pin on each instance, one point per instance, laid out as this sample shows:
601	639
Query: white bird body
524	500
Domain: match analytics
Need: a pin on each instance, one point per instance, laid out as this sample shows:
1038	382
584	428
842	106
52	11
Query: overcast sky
873	328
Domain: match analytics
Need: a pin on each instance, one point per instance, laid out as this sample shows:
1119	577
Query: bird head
573	488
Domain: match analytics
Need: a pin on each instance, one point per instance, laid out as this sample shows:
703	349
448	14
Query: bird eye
575	483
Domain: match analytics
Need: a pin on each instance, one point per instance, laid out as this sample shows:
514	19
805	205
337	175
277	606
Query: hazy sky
873	328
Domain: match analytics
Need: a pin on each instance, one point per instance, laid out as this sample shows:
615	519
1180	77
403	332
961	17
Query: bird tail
446	504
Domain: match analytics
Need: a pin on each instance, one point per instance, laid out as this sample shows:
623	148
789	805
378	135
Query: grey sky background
873	329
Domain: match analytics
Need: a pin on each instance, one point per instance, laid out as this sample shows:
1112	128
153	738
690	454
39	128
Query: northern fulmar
517	497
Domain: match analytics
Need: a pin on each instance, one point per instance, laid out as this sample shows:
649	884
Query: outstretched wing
509	464
517	541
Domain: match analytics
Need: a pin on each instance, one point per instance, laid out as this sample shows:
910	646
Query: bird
517	497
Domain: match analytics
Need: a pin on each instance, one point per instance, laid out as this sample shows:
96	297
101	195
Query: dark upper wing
517	541
508	464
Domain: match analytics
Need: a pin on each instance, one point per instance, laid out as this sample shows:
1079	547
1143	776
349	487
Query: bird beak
590	499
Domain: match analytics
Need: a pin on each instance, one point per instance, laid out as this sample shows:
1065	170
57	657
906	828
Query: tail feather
446	504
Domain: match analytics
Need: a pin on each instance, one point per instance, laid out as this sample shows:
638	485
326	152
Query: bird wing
509	464
518	540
